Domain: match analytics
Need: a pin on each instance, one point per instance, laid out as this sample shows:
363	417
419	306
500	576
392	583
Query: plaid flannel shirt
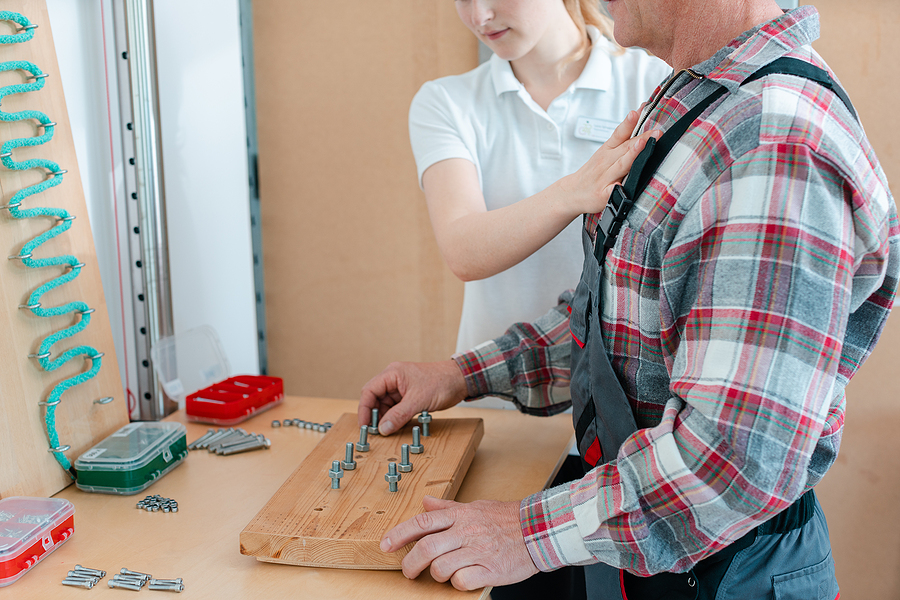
750	281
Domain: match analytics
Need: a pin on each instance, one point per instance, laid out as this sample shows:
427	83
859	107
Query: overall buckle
611	220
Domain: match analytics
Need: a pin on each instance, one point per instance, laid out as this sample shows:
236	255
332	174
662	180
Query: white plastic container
30	529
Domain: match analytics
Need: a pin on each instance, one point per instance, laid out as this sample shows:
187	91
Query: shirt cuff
485	371
550	531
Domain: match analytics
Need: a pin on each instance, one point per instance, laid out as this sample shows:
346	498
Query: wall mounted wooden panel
353	276
27	467
861	494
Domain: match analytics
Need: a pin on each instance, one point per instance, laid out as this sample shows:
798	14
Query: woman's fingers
623	130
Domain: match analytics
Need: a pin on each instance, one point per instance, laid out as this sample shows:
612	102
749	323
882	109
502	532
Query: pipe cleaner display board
60	390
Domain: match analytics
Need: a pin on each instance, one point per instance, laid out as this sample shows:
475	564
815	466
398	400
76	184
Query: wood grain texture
308	523
27	467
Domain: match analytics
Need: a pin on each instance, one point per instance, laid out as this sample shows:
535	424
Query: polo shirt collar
597	73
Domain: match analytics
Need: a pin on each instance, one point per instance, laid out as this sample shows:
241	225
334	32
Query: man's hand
405	389
473	545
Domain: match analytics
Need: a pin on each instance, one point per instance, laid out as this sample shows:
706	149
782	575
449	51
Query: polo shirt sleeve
435	123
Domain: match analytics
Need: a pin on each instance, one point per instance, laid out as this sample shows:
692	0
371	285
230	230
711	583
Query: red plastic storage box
234	400
30	529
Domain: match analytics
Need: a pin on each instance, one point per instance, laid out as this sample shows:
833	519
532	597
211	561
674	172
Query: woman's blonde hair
584	13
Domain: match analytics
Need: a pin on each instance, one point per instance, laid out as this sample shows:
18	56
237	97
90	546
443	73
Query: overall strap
654	153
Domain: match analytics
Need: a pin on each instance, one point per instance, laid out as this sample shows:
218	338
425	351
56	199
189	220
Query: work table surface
219	495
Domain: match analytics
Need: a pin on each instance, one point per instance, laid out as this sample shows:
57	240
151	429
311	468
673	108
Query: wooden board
27	468
308	523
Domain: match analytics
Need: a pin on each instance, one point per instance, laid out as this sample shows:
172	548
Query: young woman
509	154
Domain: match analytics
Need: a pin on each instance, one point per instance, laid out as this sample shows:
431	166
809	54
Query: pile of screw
394	474
230	441
134	580
157	503
83	577
300	423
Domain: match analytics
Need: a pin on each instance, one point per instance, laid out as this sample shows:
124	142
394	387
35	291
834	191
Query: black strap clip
611	220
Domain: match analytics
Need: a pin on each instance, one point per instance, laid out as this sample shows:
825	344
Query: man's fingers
430	549
473	577
396	417
432	503
415	528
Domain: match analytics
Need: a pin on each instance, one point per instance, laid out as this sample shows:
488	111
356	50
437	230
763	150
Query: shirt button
549	126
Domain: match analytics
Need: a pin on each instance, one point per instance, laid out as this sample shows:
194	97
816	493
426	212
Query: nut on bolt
405	466
392	477
425	419
363	444
373	426
335	473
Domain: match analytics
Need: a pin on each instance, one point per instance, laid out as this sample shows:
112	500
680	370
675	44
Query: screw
251	445
82	578
363	444
168	587
405	466
82	575
349	464
78	583
335	473
209	433
132	579
425	419
115	583
166	581
125	571
373	427
416	447
392	477
97	572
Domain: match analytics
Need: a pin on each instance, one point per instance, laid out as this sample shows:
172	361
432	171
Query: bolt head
416	449
372	430
392	478
404	468
335	474
348	466
362	447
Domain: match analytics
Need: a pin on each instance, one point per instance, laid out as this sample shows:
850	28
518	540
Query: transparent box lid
25	520
189	361
131	447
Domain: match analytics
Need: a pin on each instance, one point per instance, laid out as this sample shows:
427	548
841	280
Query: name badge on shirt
594	128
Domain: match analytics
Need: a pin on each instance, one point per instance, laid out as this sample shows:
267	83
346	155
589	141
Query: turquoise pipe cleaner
63	223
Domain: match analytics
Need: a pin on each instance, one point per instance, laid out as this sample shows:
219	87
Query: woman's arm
478	243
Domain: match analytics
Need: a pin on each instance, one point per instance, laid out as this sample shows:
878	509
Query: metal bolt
82	575
238	435
416	447
132	579
335	473
425	419
363	444
405	466
349	464
246	439
166	587
392	477
97	572
276	423
373	426
251	445
90	578
209	433
286	423
297	423
114	583
78	583
216	436
166	581
125	571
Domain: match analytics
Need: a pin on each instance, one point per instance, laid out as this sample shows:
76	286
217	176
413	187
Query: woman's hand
589	187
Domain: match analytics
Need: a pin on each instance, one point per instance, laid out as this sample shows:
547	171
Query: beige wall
861	495
353	276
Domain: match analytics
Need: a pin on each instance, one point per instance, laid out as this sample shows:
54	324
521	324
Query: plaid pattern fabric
751	280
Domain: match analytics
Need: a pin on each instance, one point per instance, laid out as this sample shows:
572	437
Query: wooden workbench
218	495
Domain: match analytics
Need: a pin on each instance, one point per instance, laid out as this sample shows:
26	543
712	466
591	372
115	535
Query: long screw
125	571
349	464
115	583
373	428
416	447
85	583
405	466
97	572
363	444
167	587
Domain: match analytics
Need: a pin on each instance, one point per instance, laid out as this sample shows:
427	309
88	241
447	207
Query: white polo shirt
487	117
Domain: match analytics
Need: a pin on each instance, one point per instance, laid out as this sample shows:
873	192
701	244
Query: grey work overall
786	558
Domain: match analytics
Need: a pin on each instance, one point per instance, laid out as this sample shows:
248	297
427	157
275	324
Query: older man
729	292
